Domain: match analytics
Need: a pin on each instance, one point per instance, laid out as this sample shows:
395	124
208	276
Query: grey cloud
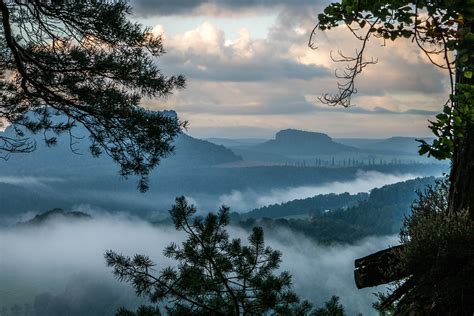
275	82
256	70
376	110
231	131
188	7
420	112
290	104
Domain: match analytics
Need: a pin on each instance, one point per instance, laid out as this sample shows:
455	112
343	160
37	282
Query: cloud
320	272
210	7
40	259
267	105
204	53
378	110
244	131
252	71
269	82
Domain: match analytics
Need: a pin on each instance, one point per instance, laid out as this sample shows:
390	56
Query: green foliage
141	311
331	308
316	205
215	275
87	61
439	256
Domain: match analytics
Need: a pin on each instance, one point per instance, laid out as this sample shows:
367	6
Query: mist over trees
381	213
215	275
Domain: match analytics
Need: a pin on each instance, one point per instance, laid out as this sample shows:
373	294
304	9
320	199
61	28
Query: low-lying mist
65	259
364	182
29	181
38	194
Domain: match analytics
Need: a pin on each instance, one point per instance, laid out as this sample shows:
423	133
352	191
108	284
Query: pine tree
86	61
215	275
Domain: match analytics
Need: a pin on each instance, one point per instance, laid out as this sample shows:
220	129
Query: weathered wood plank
378	268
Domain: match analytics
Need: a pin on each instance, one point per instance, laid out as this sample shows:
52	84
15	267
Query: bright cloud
273	82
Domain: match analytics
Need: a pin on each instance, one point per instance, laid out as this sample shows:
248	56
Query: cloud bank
41	259
271	82
211	7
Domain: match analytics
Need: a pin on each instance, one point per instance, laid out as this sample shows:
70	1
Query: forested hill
197	152
386	207
296	142
381	214
311	205
52	215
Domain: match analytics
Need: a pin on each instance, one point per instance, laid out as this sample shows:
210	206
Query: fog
29	181
49	192
50	258
364	182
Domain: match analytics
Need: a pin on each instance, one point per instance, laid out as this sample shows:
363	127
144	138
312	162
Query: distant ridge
297	142
54	214
408	145
189	152
316	204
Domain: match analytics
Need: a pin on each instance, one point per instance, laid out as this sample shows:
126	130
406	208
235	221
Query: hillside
190	151
59	159
381	214
406	145
312	205
394	145
292	142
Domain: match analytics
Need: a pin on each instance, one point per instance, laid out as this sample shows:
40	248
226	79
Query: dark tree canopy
215	275
87	61
435	258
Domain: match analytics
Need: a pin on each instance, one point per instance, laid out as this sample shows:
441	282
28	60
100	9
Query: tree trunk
375	269
461	192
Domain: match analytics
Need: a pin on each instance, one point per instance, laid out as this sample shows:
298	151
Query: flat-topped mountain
296	142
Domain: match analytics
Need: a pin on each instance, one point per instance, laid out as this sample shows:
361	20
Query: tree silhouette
86	61
331	308
443	30
215	275
438	258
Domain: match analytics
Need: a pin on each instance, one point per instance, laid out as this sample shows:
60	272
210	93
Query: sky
251	73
